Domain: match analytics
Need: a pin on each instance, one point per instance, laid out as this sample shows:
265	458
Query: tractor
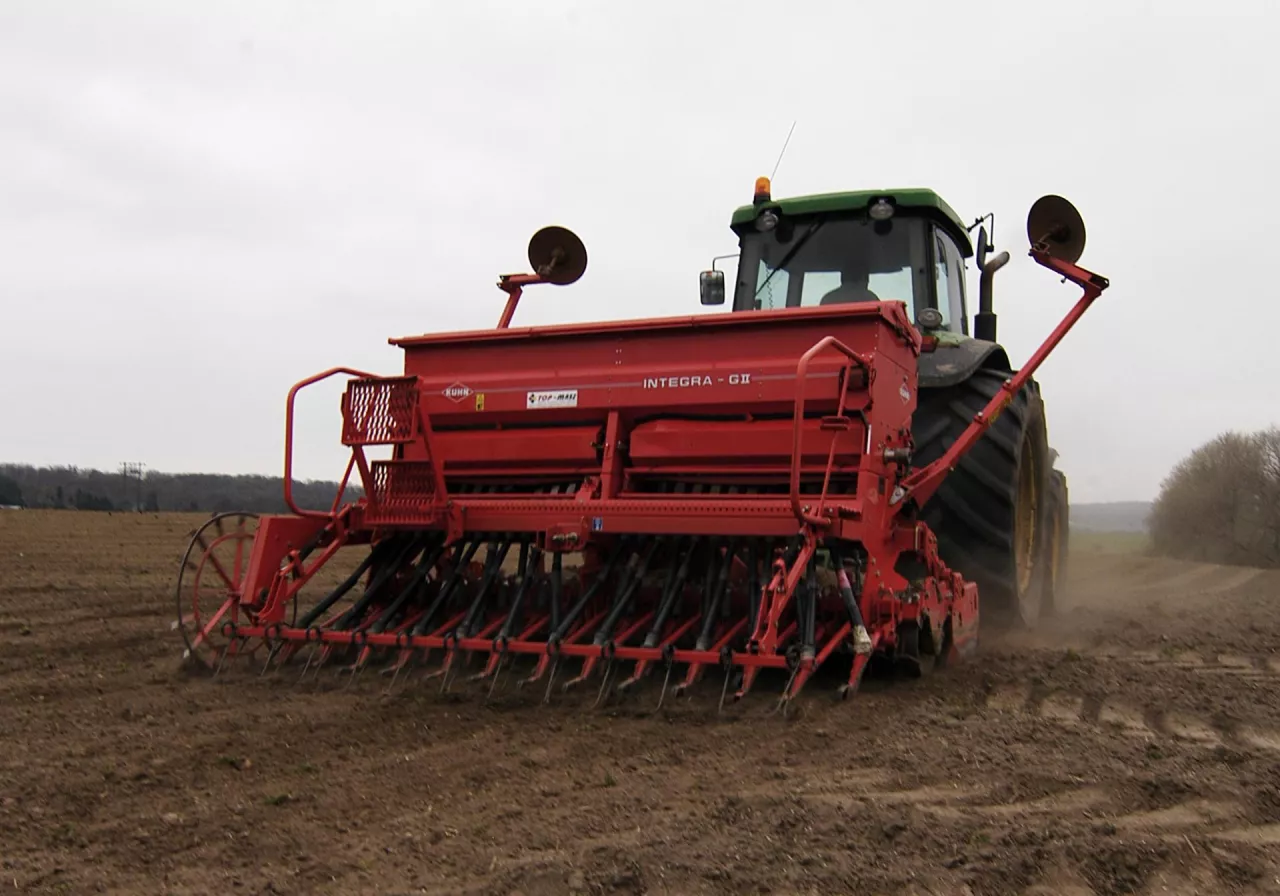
1001	515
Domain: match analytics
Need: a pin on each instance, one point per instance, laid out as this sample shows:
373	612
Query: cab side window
948	265
942	278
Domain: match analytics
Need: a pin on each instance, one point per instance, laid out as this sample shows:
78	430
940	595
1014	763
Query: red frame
863	438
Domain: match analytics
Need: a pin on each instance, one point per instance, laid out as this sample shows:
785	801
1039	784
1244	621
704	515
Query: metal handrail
797	433
288	440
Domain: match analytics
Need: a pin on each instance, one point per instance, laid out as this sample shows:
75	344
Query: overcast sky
202	203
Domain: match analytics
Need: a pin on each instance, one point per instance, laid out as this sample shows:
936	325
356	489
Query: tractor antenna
784	151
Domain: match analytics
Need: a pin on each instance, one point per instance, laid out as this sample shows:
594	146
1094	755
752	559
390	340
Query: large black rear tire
991	513
1057	540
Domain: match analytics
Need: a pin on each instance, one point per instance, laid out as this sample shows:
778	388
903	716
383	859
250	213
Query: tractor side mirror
984	247
711	287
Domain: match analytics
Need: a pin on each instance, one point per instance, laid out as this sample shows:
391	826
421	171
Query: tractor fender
956	358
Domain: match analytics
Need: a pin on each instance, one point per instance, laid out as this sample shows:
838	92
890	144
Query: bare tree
1221	504
10	492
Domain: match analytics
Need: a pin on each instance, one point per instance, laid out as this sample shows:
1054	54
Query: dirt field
1134	747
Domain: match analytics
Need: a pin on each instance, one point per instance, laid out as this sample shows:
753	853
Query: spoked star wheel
210	585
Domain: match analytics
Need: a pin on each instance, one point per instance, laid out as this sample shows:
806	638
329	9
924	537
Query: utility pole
133	470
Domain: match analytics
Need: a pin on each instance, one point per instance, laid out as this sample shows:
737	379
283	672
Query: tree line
77	488
1221	504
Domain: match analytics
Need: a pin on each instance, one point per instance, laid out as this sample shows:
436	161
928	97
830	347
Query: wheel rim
210	583
1024	530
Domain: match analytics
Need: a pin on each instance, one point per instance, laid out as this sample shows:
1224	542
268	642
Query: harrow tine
446	670
666	679
406	659
505	671
270	655
311	654
291	649
284	655
363	658
785	698
325	652
496	675
356	668
222	656
555	664
728	672
604	683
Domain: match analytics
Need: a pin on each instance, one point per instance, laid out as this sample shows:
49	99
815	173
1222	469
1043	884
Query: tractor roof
920	200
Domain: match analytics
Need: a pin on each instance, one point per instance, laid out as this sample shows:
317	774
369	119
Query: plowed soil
1131	746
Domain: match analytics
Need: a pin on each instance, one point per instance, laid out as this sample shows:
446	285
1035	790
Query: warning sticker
559	398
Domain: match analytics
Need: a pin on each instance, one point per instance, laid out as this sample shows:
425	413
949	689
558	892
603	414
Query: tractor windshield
824	261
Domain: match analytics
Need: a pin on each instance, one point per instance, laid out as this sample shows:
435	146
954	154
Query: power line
134	470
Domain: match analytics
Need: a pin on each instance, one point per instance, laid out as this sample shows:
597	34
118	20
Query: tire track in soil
1138	719
1193	720
1201	820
